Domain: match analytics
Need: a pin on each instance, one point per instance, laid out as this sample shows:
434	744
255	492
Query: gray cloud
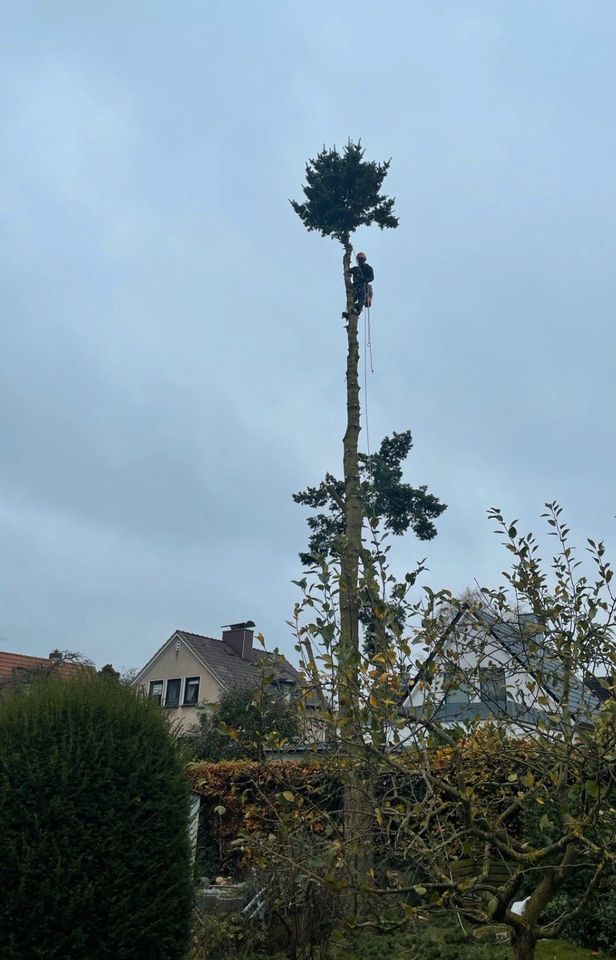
171	353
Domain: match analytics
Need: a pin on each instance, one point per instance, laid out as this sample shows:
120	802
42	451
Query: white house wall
473	650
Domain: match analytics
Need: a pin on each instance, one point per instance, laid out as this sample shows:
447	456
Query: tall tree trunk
357	805
353	515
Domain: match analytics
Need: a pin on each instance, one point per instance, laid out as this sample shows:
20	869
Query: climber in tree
362	275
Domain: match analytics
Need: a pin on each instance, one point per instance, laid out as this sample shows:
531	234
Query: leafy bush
241	798
243	724
94	849
595	926
227	937
302	886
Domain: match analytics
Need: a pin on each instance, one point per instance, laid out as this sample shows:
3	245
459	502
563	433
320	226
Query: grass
222	939
446	946
563	950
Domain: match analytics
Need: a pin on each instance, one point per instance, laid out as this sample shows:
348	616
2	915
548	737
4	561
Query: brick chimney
239	637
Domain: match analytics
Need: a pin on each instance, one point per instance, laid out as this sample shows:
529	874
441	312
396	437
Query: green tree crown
342	193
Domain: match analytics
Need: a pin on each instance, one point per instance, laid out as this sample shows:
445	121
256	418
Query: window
493	687
285	688
191	691
156	691
173	693
454	688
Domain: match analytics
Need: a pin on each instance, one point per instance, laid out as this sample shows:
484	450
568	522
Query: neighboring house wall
176	662
492	683
504	672
192	670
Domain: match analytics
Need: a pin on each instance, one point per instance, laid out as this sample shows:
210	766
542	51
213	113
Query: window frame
187	681
175	704
151	693
493	680
460	693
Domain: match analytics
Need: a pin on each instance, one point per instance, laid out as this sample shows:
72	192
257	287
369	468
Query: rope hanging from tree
367	353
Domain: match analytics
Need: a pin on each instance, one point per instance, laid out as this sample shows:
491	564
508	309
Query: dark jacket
361	275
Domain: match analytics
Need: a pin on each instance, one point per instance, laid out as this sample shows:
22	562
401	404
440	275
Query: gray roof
231	669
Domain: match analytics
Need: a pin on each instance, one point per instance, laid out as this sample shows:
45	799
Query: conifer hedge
94	807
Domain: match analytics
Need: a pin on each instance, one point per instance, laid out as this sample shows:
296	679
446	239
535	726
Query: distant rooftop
14	665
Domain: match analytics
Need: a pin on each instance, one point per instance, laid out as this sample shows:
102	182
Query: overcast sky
171	349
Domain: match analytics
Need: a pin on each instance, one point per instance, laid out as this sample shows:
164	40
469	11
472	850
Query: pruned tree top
343	192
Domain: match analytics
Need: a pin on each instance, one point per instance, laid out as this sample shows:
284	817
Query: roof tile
14	664
231	669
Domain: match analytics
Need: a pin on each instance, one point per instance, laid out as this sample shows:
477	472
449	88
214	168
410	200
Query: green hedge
94	805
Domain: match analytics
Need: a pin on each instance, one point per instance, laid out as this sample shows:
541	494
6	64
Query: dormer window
285	688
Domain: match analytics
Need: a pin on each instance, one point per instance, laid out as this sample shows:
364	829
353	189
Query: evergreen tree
343	192
94	851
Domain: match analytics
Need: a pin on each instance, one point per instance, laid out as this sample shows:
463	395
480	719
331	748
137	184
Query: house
486	668
19	668
191	670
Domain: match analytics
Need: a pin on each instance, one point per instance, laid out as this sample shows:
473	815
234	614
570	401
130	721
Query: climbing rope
367	353
367	321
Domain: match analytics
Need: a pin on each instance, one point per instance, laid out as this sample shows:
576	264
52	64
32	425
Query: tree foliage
94	850
343	192
455	834
110	672
387	500
244	723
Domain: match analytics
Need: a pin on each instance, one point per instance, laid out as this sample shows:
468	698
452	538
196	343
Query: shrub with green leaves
94	807
230	937
244	723
595	926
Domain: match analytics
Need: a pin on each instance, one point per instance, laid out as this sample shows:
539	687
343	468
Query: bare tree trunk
357	805
353	515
